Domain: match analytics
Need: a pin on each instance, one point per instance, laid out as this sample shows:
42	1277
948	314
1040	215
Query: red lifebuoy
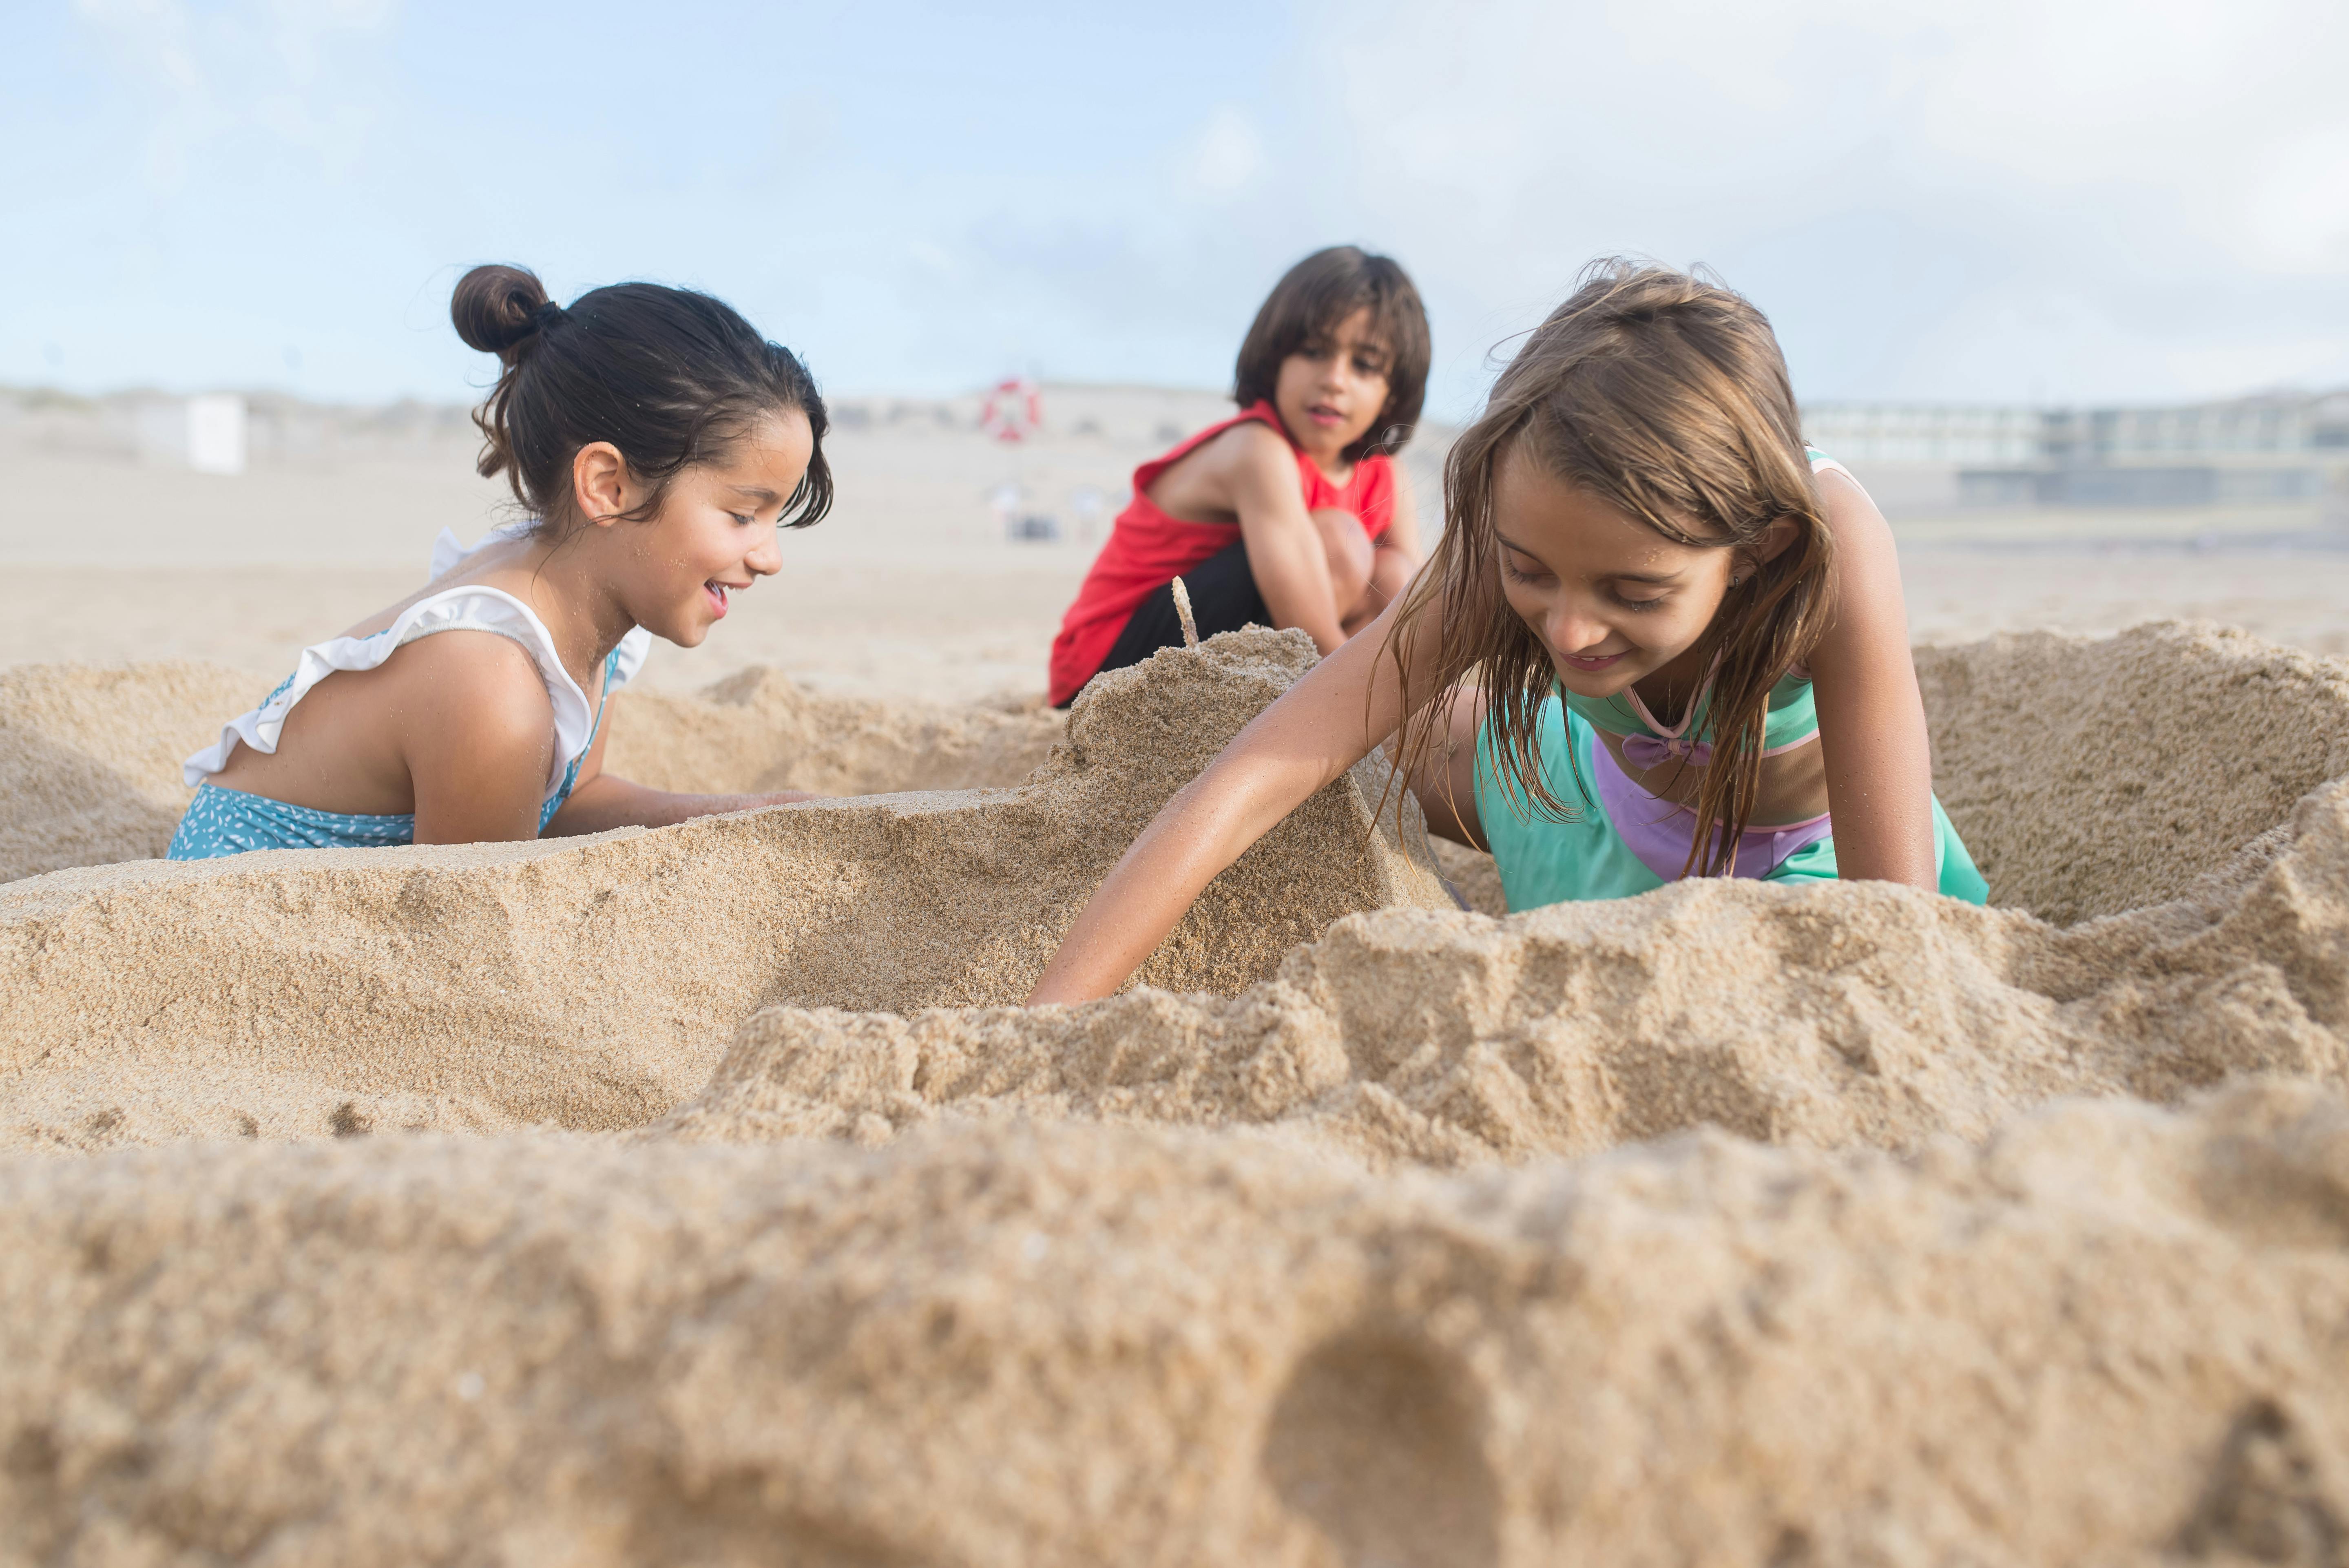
1014	410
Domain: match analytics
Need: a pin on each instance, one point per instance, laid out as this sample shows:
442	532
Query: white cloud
1227	154
2092	173
257	65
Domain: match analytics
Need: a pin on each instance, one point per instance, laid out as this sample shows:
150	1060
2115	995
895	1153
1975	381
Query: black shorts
1224	598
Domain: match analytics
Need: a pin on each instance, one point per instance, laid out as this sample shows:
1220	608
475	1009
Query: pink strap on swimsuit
1660	832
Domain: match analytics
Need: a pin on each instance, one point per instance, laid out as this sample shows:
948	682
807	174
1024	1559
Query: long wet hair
671	377
1309	304
1665	396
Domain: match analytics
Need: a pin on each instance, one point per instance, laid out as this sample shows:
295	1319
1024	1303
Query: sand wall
1732	1223
2111	1335
1856	1013
90	755
593	983
2092	776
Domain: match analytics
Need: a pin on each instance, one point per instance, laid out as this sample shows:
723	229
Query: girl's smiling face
714	533
1330	391
1611	600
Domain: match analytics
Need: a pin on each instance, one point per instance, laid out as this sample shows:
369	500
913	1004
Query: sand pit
1851	1013
1731	1223
2113	1336
593	983
90	754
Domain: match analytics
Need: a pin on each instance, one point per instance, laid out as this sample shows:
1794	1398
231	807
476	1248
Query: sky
2006	202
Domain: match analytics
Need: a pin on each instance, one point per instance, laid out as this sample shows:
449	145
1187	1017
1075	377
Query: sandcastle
699	1195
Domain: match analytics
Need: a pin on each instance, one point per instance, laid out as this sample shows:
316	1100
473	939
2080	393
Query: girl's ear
1775	540
600	482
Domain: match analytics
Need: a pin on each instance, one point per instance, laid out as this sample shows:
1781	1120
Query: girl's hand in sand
600	802
1319	727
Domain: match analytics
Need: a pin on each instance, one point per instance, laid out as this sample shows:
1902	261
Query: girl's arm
475	731
1444	781
1319	727
1872	740
600	801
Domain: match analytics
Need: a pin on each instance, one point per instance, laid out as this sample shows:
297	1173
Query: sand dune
1731	1223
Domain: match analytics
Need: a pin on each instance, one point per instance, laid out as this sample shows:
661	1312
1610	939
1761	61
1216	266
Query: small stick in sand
1183	609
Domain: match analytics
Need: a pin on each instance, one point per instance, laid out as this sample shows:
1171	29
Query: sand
593	983
89	757
1853	1013
699	1196
2113	1335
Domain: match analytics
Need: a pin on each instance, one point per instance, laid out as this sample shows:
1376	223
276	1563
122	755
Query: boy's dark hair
669	377
1310	302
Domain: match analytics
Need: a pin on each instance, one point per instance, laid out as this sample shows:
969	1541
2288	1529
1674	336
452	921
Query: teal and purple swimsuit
1623	840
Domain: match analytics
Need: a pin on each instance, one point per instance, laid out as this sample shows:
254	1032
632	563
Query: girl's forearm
606	802
1204	829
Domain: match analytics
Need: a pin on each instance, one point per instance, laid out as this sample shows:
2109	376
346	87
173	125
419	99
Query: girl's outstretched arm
1872	740
600	801
1319	727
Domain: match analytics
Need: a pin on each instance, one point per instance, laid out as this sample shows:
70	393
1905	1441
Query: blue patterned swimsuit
231	821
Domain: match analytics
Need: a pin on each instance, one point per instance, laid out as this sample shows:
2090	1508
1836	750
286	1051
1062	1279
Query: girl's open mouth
716	592
1322	414
1575	661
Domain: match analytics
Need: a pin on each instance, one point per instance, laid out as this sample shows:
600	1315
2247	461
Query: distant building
2274	446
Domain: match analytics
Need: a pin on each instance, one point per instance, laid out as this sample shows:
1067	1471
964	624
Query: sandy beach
702	1196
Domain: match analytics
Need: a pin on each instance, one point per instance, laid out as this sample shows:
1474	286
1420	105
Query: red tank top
1146	547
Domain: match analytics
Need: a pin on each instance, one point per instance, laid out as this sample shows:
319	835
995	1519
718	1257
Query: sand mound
2092	777
1852	1013
596	984
2112	1335
759	731
1168	1278
89	756
593	983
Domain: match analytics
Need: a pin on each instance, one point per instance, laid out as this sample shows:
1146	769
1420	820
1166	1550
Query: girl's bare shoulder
490	679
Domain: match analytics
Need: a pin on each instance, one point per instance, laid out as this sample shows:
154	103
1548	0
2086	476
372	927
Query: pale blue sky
2133	199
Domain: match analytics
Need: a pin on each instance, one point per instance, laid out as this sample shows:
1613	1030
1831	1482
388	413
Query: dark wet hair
1310	302
669	377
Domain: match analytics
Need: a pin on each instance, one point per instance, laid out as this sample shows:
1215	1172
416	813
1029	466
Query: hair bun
495	308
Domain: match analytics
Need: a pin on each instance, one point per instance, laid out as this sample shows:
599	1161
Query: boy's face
1333	388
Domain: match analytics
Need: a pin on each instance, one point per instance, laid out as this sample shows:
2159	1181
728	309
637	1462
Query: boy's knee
1348	551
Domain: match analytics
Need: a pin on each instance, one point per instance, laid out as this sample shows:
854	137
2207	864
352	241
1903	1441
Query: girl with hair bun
655	443
1661	638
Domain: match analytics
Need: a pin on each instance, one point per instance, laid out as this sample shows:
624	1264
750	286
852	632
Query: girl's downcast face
1611	600
1330	391
714	535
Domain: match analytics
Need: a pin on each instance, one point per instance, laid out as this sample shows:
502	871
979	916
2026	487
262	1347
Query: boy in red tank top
1290	514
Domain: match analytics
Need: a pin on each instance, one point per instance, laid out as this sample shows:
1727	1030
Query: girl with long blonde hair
1660	637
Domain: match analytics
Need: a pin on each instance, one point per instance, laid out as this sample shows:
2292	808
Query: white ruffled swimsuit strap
470	608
